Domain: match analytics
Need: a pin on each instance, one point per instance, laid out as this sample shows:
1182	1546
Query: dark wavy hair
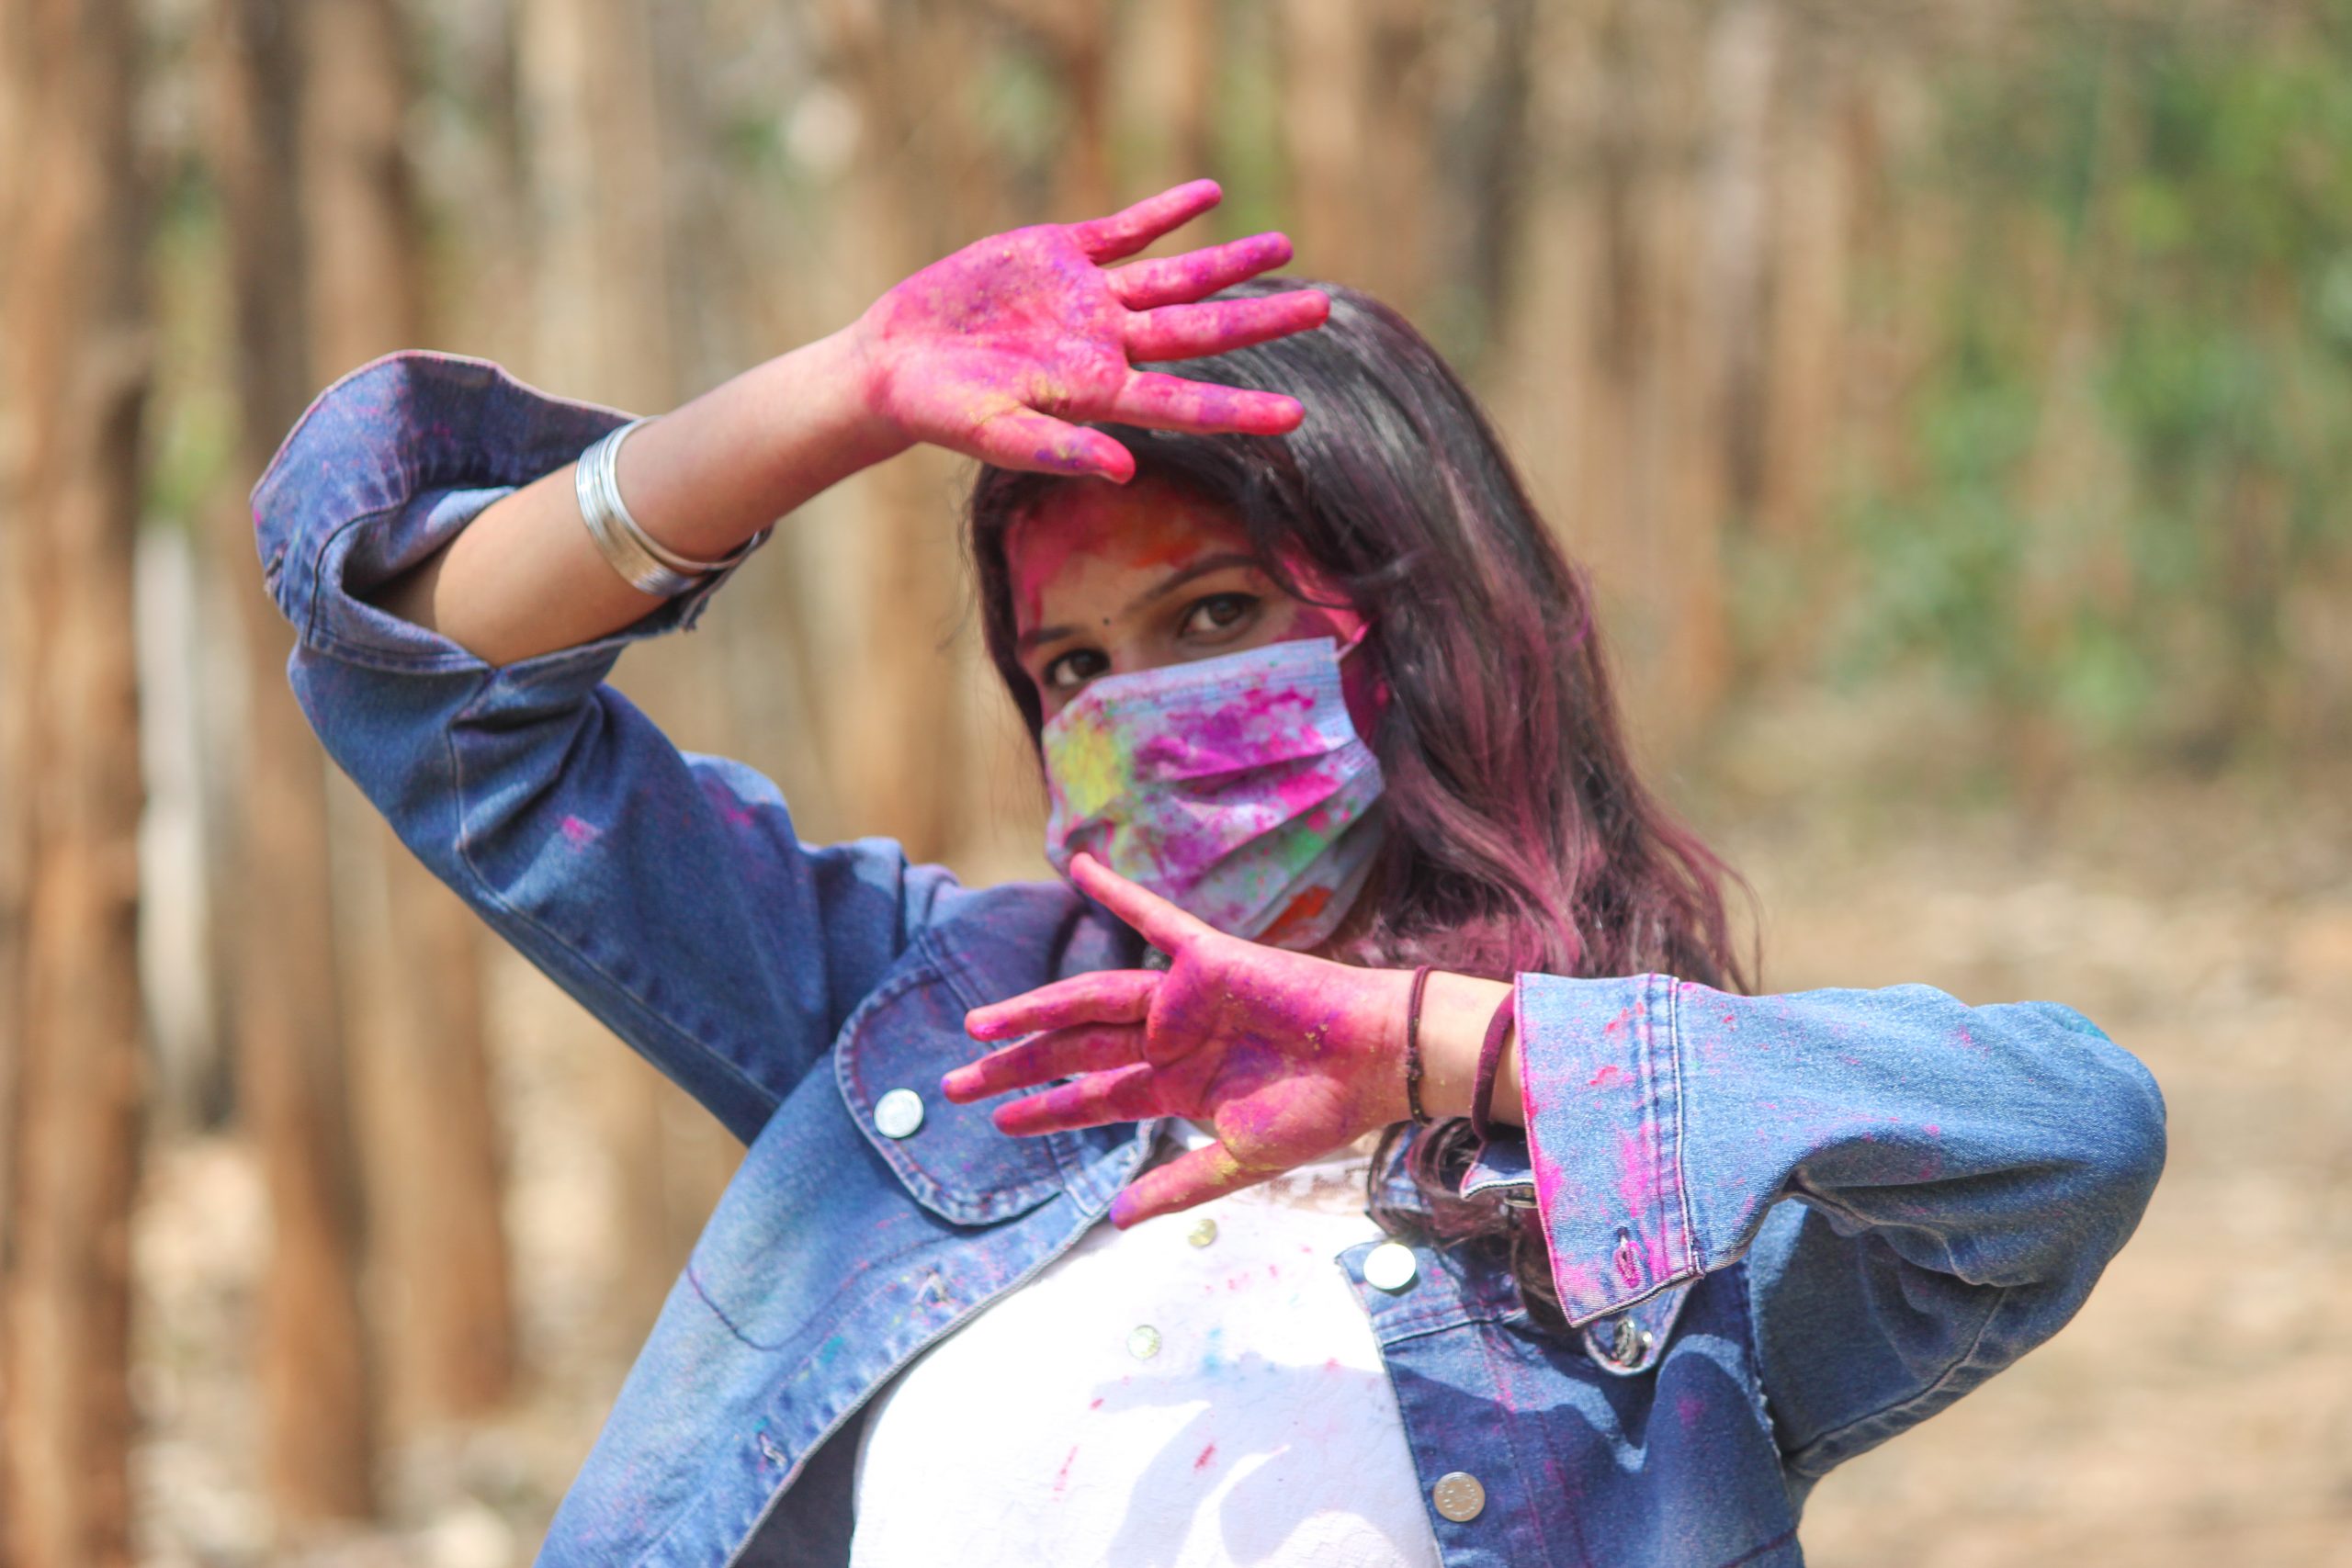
1520	837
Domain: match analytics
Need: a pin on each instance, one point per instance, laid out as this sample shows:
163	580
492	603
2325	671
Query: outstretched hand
993	350
1287	1056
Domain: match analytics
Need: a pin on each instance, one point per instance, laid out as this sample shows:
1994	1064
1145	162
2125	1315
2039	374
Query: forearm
523	578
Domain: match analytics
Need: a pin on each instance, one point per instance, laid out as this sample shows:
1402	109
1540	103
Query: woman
1360	886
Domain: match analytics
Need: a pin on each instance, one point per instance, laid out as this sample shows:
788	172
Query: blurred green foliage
2132	426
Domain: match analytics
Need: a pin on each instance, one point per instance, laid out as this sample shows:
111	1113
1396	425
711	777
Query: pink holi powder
1579	1282
1610	1076
579	834
1637	1172
1203	1463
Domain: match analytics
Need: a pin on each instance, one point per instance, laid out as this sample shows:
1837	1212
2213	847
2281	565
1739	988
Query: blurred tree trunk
1711	232
72	314
1639	302
1809	254
318	1413
1169	59
1358	132
438	1240
917	189
599	159
1076	42
1808	249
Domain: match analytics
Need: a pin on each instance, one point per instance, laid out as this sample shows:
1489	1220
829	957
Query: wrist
832	384
1454	1015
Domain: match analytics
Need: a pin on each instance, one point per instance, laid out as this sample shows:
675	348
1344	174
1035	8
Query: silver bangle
642	561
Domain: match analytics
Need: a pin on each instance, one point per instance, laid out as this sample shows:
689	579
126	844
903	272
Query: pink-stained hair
1520	837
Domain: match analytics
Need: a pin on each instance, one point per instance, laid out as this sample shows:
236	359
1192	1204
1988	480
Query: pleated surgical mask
1235	787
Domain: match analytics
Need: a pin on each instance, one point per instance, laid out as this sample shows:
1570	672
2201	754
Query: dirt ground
2199	1411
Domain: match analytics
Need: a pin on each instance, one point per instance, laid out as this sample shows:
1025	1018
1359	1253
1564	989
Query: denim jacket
1784	1227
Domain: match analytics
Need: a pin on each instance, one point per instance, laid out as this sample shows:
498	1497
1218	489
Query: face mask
1235	787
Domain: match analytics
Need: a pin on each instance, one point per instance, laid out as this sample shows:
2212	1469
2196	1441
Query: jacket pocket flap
953	1160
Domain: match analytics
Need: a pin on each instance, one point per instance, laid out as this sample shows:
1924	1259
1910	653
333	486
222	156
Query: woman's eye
1073	669
1219	613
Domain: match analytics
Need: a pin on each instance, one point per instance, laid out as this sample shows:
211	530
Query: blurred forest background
1953	399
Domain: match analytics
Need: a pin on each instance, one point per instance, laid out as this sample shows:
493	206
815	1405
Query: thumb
1194	1177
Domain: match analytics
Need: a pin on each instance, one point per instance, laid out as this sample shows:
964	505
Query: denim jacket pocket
951	1157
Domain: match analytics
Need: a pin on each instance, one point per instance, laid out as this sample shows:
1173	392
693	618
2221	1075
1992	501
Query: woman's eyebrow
1201	568
1157	592
1036	634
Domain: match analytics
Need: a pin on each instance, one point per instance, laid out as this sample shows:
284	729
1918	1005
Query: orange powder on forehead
1145	525
1140	527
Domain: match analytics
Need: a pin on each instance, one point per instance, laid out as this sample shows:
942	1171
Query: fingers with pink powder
1188	332
1196	275
1124	1094
1160	922
1039	442
1057	1053
1171	402
1194	1176
1126	231
1105	995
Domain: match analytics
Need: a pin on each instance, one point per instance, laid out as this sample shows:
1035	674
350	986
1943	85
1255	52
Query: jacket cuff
383	468
1600	1075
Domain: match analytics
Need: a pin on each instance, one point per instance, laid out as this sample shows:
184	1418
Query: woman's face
1111	579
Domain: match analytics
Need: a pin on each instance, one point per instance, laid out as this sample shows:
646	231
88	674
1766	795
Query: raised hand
994	350
1285	1056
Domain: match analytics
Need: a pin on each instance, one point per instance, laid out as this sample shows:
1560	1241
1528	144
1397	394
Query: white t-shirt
1148	1401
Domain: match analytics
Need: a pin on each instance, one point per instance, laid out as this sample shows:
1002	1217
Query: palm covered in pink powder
993	350
1287	1056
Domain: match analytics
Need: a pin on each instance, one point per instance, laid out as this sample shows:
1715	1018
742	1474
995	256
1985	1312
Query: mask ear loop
1353	643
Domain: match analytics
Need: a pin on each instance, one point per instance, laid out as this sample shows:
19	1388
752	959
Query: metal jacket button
1143	1342
1390	1265
1459	1497
1203	1232
897	1113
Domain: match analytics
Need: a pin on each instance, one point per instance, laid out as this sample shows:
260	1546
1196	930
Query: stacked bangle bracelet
643	562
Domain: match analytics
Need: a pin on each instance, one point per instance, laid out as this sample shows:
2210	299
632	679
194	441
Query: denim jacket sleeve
1923	1191
665	891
